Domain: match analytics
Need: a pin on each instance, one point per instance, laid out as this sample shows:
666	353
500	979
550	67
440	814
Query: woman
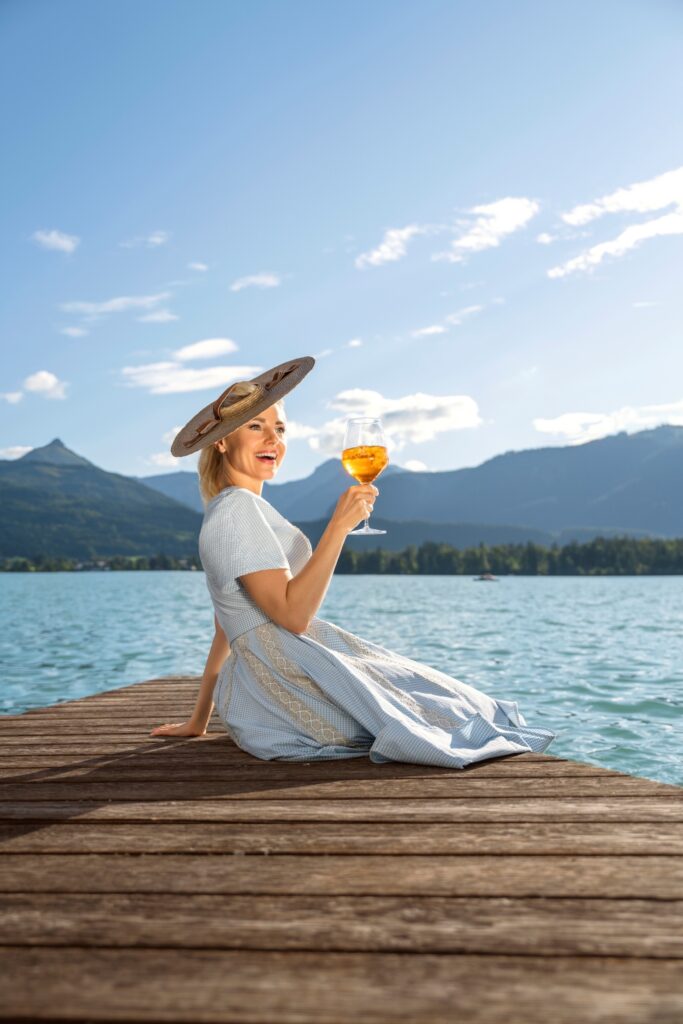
287	684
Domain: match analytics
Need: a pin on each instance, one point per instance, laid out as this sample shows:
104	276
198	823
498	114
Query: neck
249	483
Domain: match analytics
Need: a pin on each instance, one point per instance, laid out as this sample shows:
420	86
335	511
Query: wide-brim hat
231	410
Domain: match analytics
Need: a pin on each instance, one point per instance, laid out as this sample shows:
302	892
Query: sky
471	215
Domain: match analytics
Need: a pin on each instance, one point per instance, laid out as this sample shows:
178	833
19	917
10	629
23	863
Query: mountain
55	502
298	497
629	483
182	486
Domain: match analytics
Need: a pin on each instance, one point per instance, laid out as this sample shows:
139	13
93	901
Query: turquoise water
597	660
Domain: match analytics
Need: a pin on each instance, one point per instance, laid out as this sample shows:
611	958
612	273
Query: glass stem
367	521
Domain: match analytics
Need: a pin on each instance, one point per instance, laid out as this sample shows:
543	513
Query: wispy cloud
265	279
167	378
579	427
158	316
545	239
392	247
151	241
453	320
425	332
415	466
57	240
15	451
12	396
74	332
411	419
461	314
492	222
354	343
643	305
200	267
46	384
121	304
642	197
208	348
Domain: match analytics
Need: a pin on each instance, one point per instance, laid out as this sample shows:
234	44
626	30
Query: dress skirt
328	693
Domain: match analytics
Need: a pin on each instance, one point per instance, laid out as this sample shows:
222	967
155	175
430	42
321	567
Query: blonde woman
287	684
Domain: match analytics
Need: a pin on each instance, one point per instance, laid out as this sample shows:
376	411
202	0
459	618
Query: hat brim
279	380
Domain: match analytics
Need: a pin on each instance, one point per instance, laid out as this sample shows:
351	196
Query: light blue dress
328	693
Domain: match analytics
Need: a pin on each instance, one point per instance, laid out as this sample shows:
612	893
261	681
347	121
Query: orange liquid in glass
365	461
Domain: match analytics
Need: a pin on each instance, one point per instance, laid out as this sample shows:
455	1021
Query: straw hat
238	403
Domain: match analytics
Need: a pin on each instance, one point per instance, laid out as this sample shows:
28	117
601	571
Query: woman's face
257	448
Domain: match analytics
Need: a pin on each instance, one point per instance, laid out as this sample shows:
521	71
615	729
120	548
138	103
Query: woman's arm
292	601
203	709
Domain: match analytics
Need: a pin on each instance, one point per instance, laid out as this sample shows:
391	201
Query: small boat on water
486	577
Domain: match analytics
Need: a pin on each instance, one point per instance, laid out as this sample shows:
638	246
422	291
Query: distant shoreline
612	556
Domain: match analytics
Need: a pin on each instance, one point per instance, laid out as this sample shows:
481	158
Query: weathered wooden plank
623	877
260	986
169	786
135	722
509	837
221	756
477	809
121	782
374	924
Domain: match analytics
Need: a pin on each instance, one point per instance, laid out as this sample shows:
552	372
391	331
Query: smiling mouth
266	458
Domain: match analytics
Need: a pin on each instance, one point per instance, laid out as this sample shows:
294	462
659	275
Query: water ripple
597	660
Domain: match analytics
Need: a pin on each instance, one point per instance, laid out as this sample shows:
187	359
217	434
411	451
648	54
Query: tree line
613	556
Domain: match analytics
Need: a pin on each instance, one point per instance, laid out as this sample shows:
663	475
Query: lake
599	660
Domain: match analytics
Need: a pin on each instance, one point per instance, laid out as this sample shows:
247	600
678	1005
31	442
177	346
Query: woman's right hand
354	505
182	729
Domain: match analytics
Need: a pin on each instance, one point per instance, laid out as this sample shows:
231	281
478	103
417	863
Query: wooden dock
148	879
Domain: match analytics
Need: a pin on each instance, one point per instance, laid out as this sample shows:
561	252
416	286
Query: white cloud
354	343
424	332
669	224
151	241
46	384
121	304
457	318
324	352
164	460
14	451
266	279
159	316
545	239
195	265
415	466
642	197
643	305
56	240
12	396
493	222
173	378
298	431
412	419
392	247
209	348
579	427
74	332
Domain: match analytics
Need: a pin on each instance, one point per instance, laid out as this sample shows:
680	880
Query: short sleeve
240	540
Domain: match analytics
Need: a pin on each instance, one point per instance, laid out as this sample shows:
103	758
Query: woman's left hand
182	729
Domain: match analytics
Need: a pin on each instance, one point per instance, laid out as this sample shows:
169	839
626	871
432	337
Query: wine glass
364	455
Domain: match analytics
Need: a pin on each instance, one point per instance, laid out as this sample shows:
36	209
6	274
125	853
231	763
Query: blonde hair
211	468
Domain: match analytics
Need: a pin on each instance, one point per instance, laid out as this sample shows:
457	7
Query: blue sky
471	214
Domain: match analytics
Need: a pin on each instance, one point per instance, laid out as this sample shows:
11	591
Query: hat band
238	405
